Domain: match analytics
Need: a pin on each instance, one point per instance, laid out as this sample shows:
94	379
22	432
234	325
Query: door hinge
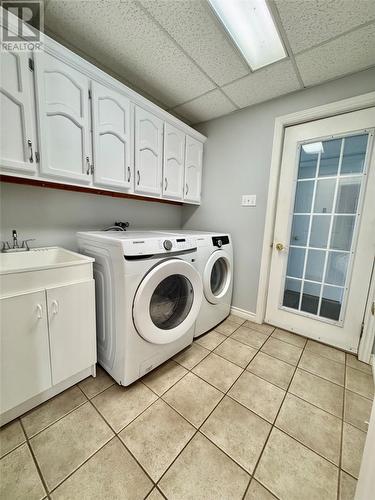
373	308
92	168
31	64
37	157
362	328
89	94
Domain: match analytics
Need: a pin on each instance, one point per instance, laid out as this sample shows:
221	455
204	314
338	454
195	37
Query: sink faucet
16	247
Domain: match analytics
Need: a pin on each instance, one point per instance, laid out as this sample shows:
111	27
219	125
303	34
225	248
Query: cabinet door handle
39	311
88	166
55	307
31	157
129	174
166	184
187	189
139	177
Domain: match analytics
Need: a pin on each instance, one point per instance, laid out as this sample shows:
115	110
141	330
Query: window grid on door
328	171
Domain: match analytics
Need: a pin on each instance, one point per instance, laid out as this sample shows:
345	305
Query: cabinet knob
31	157
187	188
39	311
129	174
139	177
55	307
166	184
279	247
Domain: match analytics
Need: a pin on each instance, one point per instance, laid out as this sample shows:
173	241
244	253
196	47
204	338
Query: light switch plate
249	200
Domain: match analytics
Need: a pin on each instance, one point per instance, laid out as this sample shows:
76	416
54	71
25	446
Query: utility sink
39	259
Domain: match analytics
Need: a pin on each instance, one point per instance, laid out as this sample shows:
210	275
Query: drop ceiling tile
192	24
346	54
308	23
267	83
206	107
122	37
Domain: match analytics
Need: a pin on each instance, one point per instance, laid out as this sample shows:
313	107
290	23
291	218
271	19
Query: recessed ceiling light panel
251	26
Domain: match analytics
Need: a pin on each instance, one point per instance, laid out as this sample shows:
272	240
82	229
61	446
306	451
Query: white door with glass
324	238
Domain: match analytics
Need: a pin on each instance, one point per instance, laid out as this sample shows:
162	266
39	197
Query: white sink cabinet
48	332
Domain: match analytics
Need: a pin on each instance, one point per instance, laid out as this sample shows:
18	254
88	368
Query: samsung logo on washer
137	242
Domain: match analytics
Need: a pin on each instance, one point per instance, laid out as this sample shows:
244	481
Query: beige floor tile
19	477
161	379
313	427
11	436
250	337
156	437
353	442
347	486
272	369
353	362
236	319
325	368
155	495
235	351
326	351
319	392
357	410
238	432
65	445
360	382
218	371
92	386
211	340
287	468
258	395
120	405
227	327
50	411
289	337
191	356
282	350
263	328
193	398
112	473
203	472
257	492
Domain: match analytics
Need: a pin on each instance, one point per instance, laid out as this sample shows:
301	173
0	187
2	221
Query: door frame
281	122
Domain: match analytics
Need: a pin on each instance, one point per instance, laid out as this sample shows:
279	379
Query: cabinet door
25	359
71	314
111	137
63	119
18	138
193	170
174	155
148	152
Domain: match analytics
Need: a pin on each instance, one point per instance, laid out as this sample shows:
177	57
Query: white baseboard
242	313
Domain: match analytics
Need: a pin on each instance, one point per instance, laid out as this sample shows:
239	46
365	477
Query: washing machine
148	296
215	265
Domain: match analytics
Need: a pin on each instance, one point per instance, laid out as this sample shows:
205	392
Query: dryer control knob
219	243
167	244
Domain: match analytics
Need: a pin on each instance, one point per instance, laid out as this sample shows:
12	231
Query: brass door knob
279	247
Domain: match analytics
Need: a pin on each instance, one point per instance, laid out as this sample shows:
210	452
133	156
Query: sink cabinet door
25	359
71	313
17	123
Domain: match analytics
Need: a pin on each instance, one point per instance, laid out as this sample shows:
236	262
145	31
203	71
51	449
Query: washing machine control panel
219	241
177	244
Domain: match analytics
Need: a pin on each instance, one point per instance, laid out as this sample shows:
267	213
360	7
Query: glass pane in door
329	184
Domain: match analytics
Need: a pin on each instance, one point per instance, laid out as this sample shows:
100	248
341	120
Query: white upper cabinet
193	170
174	156
63	119
148	152
111	137
18	138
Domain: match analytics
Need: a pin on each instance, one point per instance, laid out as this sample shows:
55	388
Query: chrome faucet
16	247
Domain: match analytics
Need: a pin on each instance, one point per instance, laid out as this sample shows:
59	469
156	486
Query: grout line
273	425
342	435
39	471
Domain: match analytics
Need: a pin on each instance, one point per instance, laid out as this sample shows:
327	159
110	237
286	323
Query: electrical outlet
249	200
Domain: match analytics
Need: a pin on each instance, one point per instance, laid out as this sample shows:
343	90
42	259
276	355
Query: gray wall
53	216
237	161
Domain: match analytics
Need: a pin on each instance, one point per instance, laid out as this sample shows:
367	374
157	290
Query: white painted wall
237	161
53	216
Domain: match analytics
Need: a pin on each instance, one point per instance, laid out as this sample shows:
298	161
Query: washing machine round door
217	276
167	301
